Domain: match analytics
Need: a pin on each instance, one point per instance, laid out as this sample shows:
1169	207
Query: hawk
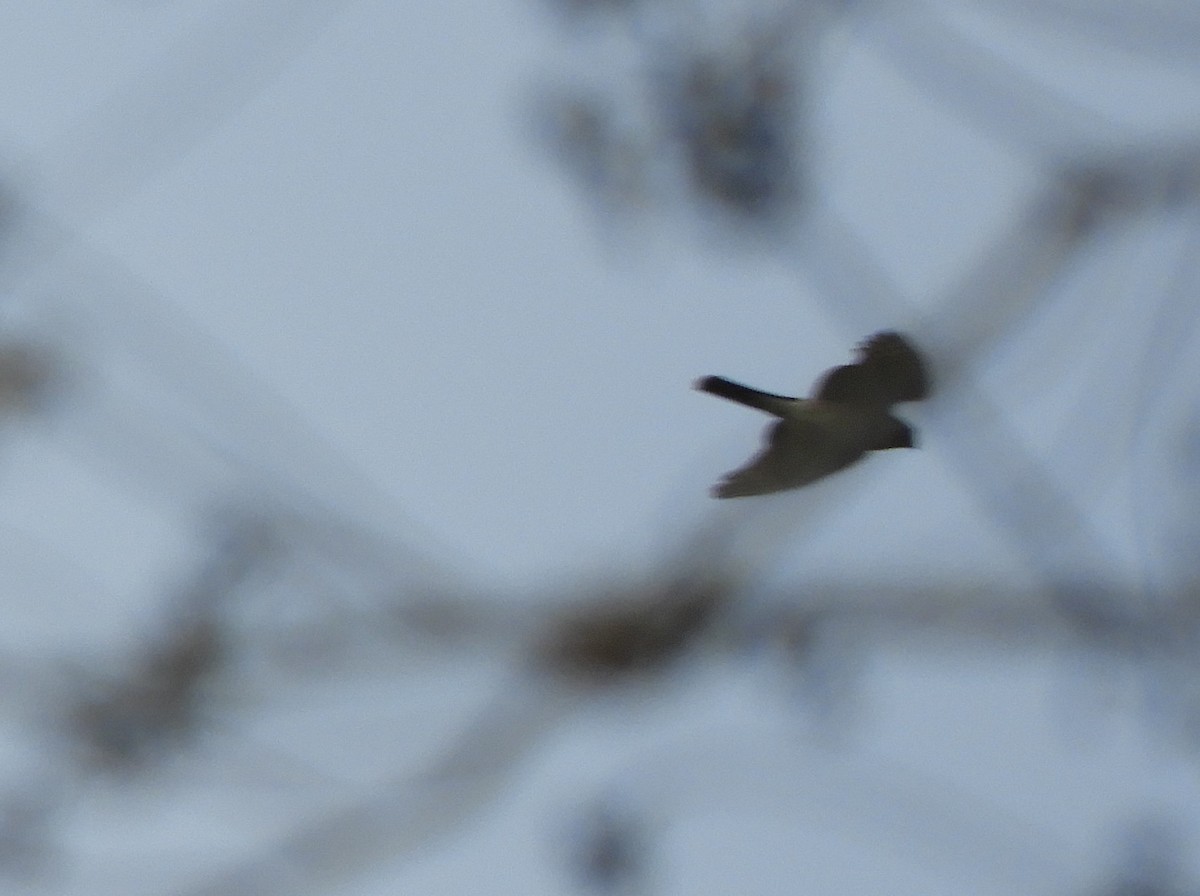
848	415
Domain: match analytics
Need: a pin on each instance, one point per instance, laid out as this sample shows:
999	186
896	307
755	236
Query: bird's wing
889	369
778	405
797	453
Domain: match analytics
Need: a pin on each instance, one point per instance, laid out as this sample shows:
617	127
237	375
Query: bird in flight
848	415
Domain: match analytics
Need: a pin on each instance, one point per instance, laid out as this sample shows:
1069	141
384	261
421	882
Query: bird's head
896	434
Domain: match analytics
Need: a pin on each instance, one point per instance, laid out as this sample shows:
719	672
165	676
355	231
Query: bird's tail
763	401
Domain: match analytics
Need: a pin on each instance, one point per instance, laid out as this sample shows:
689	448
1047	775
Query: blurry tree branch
308	586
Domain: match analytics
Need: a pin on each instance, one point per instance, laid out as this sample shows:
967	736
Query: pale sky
316	252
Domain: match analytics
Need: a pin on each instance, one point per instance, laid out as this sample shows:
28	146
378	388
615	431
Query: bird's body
848	415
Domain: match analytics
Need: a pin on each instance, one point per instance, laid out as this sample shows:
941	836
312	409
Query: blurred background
354	521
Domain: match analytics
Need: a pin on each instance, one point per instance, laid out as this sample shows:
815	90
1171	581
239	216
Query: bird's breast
855	427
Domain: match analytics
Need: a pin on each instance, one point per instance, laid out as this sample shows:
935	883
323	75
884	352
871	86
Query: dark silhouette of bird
848	415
